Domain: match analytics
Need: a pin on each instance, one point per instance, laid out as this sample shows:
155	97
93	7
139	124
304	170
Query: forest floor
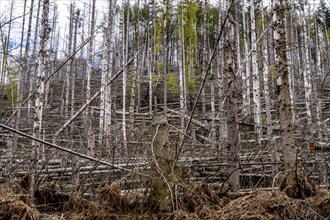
296	198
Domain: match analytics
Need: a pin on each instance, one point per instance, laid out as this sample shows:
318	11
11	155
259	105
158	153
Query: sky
63	10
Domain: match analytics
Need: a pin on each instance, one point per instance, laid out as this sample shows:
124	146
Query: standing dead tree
37	125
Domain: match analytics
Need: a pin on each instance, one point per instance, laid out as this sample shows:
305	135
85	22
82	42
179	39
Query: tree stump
163	166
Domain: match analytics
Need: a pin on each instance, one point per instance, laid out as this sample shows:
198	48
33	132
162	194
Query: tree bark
246	74
255	74
284	100
38	115
231	103
88	128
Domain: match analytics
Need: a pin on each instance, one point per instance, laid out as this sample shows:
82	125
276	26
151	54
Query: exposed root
297	185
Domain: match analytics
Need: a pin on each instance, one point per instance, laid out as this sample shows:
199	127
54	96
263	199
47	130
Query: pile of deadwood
296	198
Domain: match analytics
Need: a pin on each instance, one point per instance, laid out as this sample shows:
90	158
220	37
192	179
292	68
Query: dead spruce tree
38	114
231	103
282	79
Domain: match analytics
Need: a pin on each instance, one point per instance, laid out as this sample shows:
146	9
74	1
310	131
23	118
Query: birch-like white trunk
307	78
246	74
109	49
69	66
269	125
34	57
124	86
72	63
38	115
102	95
181	63
290	69
88	128
134	81
255	74
25	72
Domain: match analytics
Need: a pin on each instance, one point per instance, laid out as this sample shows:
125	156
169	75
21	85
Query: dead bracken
193	201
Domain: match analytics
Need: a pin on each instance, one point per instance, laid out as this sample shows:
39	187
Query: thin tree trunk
255	74
23	30
231	103
124	86
69	65
37	126
25	71
246	75
88	125
307	79
134	82
165	49
109	49
222	94
73	61
269	125
181	73
291	72
34	66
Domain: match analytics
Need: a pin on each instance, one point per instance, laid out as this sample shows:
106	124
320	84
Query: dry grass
194	202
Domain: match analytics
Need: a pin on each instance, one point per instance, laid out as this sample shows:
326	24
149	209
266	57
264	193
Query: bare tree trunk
255	74
34	66
284	100
307	79
222	93
231	103
270	135
149	65
165	49
69	66
182	74
108	67
88	125
25	71
73	68
125	58
37	126
6	71
135	74
23	30
246	75
290	69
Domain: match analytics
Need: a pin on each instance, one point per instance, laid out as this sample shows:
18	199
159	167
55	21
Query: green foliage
189	17
154	80
192	85
323	15
10	95
129	83
145	13
190	29
173	83
158	33
213	19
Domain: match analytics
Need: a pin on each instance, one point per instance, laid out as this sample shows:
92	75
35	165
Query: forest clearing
159	109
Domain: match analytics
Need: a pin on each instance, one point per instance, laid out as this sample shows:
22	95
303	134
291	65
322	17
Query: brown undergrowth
193	201
14	205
